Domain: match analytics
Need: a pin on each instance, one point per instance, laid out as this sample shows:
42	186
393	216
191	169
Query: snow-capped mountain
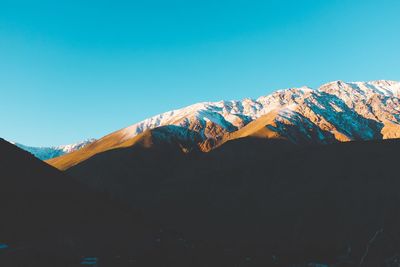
45	153
335	111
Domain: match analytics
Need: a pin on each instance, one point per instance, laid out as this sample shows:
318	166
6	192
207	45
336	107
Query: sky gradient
71	70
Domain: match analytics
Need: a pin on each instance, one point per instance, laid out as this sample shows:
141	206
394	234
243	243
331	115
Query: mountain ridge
335	112
232	115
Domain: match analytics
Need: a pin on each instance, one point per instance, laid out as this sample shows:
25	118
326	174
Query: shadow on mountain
301	130
257	202
348	121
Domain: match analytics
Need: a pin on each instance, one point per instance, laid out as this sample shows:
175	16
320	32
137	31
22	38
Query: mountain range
301	177
337	111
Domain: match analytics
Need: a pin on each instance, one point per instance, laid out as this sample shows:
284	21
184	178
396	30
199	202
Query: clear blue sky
76	69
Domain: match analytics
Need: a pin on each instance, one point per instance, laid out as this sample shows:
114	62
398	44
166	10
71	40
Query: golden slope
111	141
173	136
390	130
257	128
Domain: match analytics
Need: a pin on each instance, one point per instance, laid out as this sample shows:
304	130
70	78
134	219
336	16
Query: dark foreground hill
257	202
50	219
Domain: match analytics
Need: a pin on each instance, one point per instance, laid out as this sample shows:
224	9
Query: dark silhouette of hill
258	202
50	219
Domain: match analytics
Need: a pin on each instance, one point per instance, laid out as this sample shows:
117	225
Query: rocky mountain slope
337	111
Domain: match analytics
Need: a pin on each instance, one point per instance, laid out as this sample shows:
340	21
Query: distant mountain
45	153
337	111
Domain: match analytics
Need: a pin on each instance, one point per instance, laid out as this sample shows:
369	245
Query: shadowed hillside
265	201
49	219
184	139
250	202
